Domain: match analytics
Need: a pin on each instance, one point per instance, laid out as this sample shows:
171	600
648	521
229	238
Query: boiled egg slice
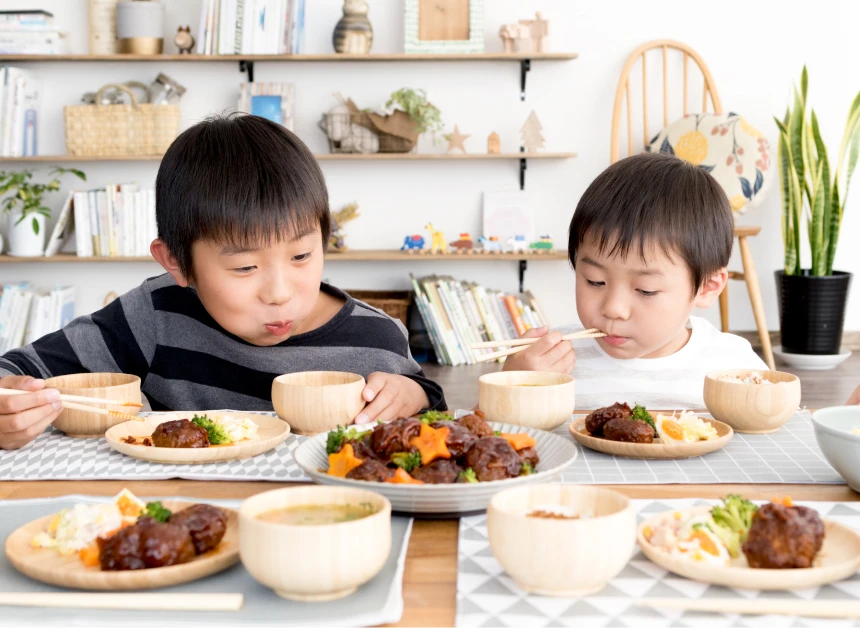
669	430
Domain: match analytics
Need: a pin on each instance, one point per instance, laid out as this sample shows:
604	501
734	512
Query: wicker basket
348	133
122	129
392	302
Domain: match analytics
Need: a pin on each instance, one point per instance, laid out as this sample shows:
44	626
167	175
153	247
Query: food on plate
206	524
147	544
431	449
312	514
595	421
687	427
200	431
746	378
181	434
784	537
628	431
556	511
619	422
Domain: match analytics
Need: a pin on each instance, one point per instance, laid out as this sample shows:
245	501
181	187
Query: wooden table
430	579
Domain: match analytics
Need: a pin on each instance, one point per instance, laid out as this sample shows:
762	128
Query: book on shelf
257	27
459	313
28	313
20	106
30	32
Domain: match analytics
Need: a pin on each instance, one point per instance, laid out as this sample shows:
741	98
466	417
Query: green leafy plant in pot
814	194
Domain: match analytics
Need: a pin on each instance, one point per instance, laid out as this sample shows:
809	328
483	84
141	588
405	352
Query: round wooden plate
657	450
46	565
838	559
271	433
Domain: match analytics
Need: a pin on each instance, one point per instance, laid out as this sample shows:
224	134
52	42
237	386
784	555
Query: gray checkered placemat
487	596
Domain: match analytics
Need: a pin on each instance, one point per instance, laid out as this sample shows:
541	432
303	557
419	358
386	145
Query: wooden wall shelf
324	58
364	255
320	157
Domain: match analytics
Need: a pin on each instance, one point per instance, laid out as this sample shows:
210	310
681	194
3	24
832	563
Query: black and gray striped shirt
186	361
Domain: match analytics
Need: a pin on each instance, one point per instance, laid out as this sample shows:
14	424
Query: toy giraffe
437	240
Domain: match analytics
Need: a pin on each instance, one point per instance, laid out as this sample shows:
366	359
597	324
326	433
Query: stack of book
115	221
274	101
30	33
251	27
459	313
20	99
27	314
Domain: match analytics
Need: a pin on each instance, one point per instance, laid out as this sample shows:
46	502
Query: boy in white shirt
650	240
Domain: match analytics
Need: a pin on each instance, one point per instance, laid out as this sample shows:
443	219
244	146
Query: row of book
460	313
20	100
116	221
31	33
259	27
27	313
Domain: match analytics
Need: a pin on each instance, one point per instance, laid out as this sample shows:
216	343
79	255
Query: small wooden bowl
530	398
318	401
118	386
562	557
753	408
314	563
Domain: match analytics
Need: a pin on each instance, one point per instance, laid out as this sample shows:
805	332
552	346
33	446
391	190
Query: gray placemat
377	602
487	596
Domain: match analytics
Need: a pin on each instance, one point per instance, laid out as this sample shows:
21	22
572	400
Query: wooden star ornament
456	139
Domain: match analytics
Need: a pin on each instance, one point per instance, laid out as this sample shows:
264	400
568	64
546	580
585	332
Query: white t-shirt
673	382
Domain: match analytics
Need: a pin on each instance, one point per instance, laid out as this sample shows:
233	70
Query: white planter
22	241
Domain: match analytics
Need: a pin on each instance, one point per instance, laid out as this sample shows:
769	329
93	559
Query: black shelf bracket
525	66
523	266
247	66
523	166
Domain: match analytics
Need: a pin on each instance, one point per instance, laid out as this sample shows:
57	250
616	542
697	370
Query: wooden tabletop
430	579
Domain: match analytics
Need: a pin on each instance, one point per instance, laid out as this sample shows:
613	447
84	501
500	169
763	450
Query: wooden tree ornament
532	139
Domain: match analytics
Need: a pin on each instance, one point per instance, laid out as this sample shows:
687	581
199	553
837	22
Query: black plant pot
812	311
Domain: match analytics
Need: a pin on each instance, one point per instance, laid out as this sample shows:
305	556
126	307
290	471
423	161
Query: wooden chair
709	90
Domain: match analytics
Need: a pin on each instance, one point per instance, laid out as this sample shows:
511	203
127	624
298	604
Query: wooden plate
46	565
838	559
657	450
271	433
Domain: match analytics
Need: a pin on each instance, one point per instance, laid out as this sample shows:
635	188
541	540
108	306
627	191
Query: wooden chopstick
63	397
500	354
495	344
103	411
835	609
129	601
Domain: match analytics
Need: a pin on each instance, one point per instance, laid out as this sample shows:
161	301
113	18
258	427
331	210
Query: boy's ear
164	257
711	289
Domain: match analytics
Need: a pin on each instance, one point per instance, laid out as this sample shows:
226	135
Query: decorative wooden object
184	40
318	401
657	450
80	424
530	398
753	408
709	90
437	239
463	244
48	566
494	144
456	139
271	432
102	27
559	557
353	33
525	35
443	26
288	558
532	138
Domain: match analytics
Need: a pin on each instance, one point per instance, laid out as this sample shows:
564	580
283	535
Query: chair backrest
622	93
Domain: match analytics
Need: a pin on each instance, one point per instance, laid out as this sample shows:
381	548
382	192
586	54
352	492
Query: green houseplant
814	192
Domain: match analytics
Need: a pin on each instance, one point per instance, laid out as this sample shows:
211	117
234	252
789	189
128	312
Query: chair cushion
735	153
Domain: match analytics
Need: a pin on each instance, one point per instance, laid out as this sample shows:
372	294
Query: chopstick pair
128	601
69	401
521	344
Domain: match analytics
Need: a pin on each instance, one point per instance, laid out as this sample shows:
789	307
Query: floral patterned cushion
727	146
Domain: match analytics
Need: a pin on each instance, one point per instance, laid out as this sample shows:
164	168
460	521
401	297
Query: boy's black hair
657	199
239	180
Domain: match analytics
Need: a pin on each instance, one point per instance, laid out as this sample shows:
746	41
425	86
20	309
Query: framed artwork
443	26
508	214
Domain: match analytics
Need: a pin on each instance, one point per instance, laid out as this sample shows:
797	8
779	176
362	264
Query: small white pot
22	241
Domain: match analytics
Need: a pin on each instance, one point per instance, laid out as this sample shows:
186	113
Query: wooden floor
820	388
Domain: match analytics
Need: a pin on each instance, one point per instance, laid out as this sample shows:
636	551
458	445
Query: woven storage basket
395	303
122	129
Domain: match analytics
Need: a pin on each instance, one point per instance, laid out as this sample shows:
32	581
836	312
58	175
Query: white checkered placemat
487	596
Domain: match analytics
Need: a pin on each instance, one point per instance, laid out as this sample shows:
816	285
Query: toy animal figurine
412	242
183	40
491	245
544	244
437	239
518	243
464	244
525	35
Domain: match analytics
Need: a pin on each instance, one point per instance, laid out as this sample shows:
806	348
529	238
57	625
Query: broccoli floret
339	437
157	512
641	414
431	416
497	432
469	476
216	433
527	469
731	521
407	460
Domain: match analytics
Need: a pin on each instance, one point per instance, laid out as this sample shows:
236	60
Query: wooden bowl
562	557
318	401
80	424
753	408
314	563
529	398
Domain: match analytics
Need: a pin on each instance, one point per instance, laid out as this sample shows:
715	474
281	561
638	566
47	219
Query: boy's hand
854	399
24	417
550	353
391	397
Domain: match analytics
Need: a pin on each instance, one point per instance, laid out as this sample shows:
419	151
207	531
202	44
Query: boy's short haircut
657	199
240	180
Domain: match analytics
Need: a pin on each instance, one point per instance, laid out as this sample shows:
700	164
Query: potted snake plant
814	192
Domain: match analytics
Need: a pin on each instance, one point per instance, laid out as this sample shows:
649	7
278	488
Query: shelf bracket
525	66
523	166
523	266
247	66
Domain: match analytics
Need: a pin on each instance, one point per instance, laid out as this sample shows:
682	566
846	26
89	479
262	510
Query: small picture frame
443	26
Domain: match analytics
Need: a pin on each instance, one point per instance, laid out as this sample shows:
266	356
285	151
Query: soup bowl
536	399
833	431
314	562
318	401
115	386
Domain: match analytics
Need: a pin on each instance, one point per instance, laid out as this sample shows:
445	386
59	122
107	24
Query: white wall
755	51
